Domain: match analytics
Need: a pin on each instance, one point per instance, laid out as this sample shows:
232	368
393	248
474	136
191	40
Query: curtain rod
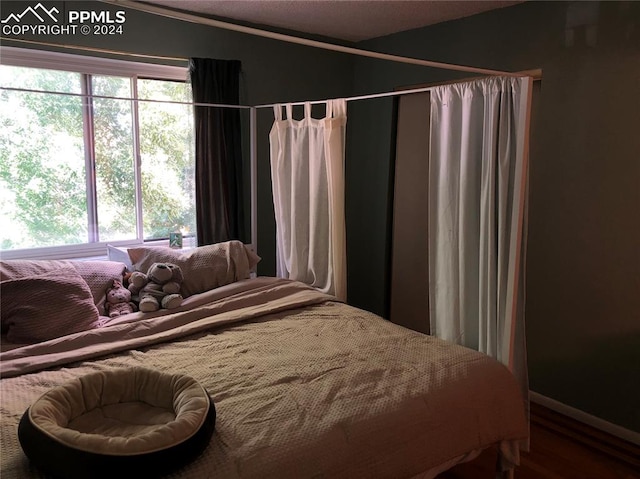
105	97
298	40
352	98
94	49
530	73
221	105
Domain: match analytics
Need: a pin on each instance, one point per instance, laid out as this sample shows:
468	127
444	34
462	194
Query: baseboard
618	442
586	418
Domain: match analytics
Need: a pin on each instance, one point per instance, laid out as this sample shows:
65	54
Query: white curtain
307	173
478	178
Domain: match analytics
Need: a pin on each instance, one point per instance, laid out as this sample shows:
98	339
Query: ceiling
350	20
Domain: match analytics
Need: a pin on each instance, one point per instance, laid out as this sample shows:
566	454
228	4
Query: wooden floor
561	448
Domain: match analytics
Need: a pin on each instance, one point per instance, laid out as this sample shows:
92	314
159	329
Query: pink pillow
98	275
46	306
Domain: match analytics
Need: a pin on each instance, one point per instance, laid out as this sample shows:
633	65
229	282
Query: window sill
85	252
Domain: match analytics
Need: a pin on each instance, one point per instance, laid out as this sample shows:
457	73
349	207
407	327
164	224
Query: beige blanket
303	386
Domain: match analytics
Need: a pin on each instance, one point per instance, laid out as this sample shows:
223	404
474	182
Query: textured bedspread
303	386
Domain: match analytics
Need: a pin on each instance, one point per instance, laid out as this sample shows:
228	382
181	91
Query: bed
304	386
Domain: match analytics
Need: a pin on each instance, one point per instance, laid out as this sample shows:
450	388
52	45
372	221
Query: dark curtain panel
219	199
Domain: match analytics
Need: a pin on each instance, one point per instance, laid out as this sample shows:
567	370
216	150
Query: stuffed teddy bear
158	288
118	300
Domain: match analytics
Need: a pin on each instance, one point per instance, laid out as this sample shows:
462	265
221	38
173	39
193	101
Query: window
92	151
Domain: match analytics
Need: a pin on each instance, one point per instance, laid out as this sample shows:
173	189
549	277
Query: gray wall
583	257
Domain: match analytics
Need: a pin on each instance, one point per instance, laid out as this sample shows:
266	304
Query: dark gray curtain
219	199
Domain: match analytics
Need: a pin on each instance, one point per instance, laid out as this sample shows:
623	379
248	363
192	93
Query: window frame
88	66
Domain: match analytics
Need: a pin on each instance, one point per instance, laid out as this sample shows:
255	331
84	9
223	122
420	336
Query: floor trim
586	418
615	441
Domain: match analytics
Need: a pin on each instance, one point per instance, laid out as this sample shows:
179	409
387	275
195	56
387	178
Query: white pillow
120	255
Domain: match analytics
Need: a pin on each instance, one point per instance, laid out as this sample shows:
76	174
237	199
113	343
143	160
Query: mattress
304	386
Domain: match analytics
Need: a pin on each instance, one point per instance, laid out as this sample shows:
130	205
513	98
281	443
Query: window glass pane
42	162
168	159
113	144
39	79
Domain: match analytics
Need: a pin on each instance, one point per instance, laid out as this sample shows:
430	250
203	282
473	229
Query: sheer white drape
307	173
477	216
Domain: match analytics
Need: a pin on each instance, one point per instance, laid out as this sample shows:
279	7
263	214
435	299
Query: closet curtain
307	172
218	175
478	177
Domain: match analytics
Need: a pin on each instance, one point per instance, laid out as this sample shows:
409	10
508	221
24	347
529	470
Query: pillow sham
46	306
98	275
204	268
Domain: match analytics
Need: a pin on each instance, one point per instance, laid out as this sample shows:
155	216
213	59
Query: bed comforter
304	386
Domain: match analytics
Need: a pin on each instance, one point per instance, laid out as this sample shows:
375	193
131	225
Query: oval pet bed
118	423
